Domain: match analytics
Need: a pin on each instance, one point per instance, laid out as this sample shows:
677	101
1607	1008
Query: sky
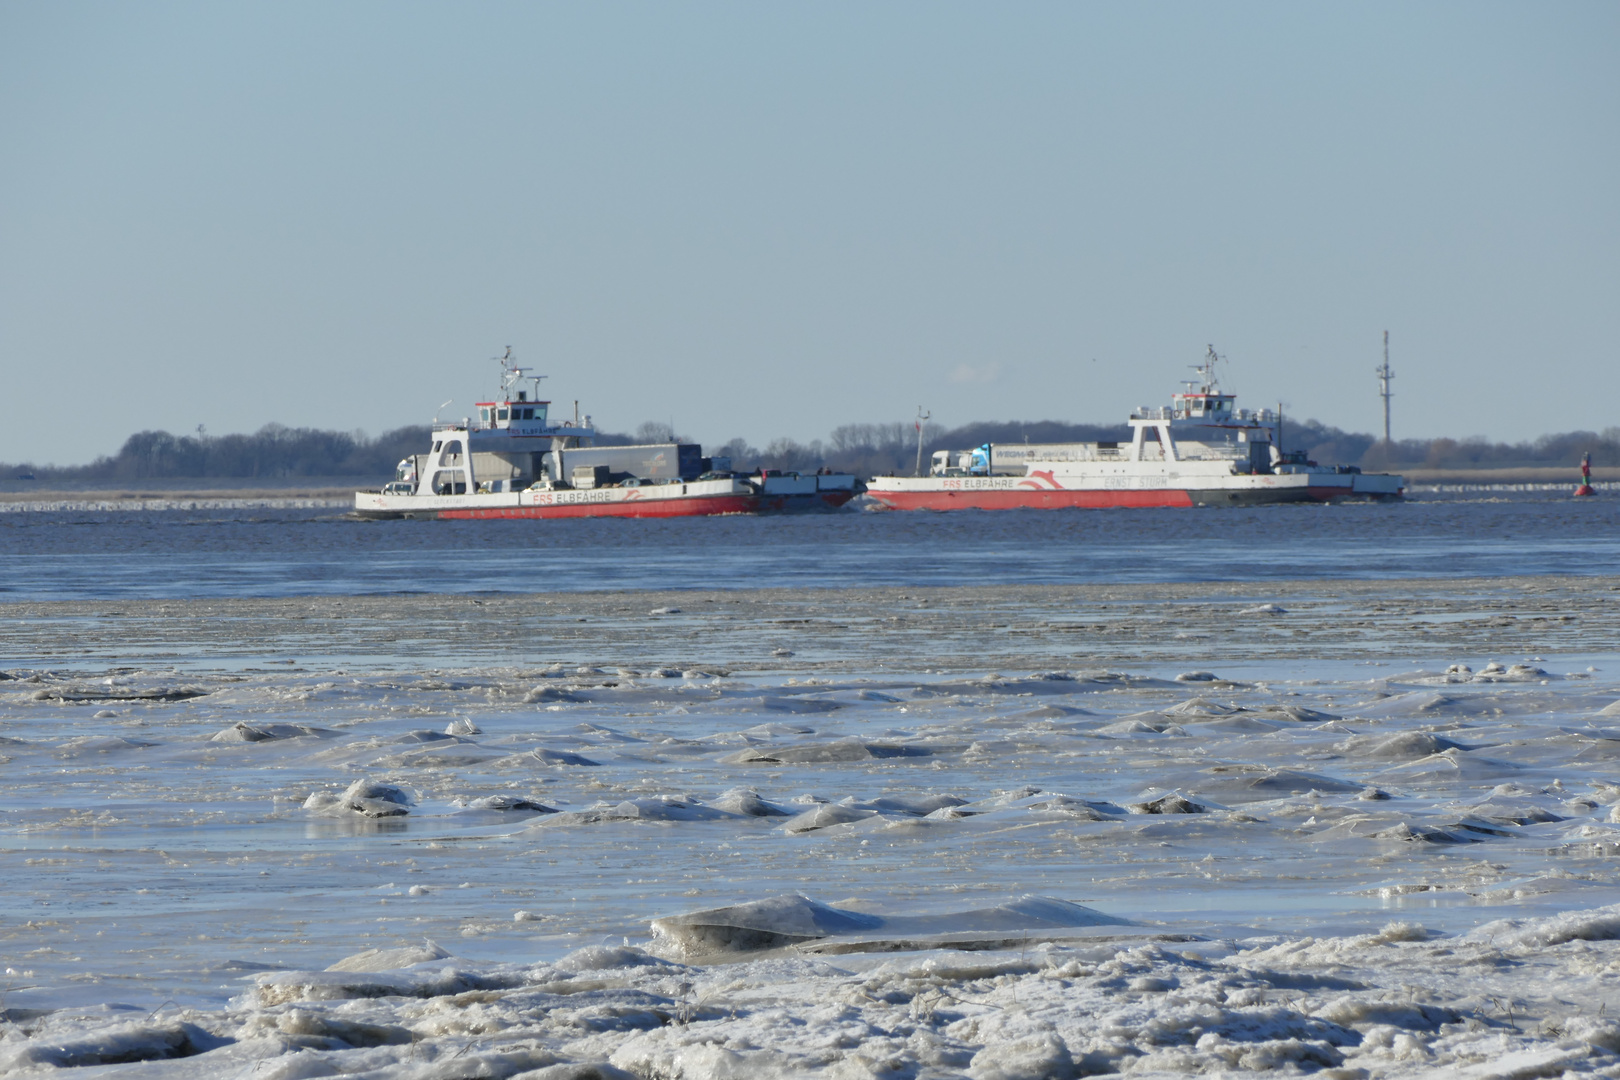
766	220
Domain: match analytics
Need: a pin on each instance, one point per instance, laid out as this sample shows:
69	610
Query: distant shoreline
343	496
1538	474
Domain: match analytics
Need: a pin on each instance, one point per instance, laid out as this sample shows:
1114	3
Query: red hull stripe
693	506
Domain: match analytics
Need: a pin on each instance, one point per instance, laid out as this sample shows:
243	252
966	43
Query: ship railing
1195	451
1018	455
529	428
1258	416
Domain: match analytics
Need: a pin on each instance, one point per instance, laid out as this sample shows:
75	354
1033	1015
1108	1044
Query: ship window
500	414
528	414
436	446
483	414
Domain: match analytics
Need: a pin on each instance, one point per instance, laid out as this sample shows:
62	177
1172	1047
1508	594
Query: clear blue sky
760	219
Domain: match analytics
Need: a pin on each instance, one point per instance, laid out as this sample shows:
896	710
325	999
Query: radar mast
511	375
1207	380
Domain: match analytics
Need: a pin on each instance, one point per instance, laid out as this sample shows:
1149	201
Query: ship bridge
1203	422
513	442
517	416
522	417
1202	403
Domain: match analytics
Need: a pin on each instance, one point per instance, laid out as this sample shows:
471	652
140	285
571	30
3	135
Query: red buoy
1586	476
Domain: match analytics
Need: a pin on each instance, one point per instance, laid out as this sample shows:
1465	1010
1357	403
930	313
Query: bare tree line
877	449
278	452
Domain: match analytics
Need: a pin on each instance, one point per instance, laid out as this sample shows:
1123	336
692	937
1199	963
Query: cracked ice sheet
167	850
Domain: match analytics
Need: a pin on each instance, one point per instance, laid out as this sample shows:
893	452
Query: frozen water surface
987	832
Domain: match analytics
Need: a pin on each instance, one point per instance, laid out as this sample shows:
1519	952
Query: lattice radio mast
1384	375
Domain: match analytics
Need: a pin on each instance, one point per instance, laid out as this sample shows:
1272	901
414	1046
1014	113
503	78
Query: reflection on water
317	828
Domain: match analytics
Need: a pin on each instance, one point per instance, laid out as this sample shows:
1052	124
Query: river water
289	552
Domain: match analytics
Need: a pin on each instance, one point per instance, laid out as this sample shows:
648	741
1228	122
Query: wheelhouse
521	415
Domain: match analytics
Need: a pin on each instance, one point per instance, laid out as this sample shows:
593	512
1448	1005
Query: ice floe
368	798
243	732
797	920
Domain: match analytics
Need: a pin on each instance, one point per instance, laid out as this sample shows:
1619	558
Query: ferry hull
936	497
1025	500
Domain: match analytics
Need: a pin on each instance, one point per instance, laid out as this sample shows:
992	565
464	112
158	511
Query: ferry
516	460
1200	451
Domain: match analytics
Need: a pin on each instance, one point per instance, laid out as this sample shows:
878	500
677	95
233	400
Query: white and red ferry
1201	451
516	461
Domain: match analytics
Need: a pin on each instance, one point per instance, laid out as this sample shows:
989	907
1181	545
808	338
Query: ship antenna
509	374
1384	375
922	418
1208	370
1209	379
